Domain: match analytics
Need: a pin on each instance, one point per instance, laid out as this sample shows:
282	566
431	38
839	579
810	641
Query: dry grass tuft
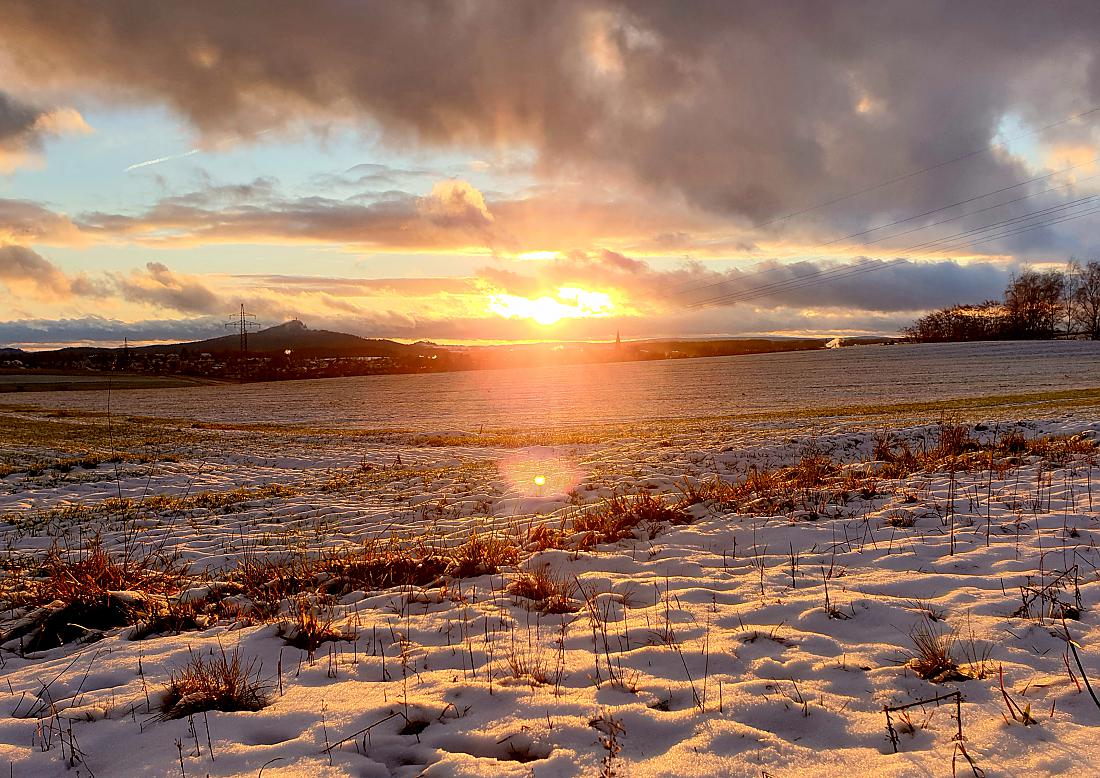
80	594
939	656
1061	449
482	555
313	625
619	517
952	441
540	537
713	489
812	470
528	664
551	594
94	572
1013	443
224	682
933	658
270	580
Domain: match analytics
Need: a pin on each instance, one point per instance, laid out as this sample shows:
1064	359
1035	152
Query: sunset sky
487	171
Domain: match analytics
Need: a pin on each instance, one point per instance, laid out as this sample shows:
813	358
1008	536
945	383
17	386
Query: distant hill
293	336
326	354
298	338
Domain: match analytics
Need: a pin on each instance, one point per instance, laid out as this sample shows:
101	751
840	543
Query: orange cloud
26	222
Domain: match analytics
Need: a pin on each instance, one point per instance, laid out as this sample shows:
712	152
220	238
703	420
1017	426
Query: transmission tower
241	322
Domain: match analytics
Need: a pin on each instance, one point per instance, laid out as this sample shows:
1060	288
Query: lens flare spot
541	472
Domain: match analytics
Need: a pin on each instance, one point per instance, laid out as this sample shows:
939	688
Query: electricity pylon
242	321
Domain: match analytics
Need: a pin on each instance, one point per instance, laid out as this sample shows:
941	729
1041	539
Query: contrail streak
158	160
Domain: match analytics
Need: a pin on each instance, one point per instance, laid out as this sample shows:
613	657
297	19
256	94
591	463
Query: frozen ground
763	638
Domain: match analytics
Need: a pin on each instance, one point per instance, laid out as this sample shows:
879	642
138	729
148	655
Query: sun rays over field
568	302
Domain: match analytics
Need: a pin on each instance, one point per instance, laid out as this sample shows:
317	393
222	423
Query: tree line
1036	306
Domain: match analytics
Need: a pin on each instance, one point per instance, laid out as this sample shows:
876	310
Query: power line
1023	217
930	168
967	213
1061	220
844	272
970	200
691	288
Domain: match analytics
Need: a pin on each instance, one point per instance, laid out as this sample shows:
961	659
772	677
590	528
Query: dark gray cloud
17	121
43	333
885	291
880	302
867	285
23	127
93	330
713	322
753	109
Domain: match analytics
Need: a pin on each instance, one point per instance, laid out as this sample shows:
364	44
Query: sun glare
568	303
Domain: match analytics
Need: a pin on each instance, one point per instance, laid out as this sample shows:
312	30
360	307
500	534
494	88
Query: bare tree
1034	302
1086	300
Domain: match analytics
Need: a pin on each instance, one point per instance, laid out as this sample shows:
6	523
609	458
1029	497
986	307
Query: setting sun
568	303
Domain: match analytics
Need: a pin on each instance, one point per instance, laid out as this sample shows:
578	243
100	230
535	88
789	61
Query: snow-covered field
757	625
